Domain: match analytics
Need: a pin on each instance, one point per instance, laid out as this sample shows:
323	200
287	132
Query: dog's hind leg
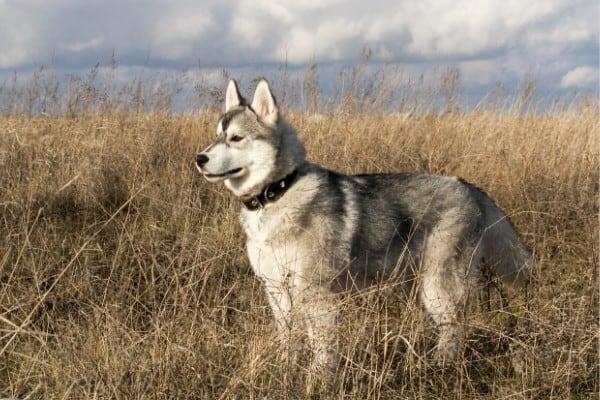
444	286
445	306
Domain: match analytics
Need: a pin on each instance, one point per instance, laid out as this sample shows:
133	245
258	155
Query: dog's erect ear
233	98
264	104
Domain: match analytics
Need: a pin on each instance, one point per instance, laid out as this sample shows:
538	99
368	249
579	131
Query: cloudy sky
553	42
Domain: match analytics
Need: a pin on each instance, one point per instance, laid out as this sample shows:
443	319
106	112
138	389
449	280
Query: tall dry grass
123	274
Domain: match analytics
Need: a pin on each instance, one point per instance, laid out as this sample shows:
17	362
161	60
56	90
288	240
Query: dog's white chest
257	227
272	253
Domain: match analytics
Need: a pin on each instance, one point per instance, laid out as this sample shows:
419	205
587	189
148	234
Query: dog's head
248	141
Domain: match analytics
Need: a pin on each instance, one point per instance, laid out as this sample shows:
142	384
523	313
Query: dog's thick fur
330	232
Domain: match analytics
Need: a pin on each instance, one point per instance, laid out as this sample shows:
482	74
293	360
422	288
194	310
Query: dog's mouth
224	175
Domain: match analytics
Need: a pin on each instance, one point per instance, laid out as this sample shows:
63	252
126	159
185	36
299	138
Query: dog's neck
270	193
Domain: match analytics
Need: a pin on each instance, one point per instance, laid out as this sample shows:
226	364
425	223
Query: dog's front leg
320	315
281	307
280	300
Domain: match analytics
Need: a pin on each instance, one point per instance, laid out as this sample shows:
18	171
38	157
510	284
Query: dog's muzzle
201	161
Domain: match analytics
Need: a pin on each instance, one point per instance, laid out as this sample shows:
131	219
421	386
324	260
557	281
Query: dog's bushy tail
503	250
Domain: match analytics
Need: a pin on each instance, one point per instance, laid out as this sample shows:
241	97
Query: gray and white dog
312	232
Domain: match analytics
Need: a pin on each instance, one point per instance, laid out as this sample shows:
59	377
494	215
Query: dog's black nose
201	159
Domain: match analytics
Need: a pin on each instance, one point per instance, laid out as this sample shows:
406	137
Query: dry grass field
123	273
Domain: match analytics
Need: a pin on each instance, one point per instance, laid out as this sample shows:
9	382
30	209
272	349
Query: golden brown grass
123	274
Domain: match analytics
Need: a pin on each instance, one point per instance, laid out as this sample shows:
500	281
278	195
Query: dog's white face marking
225	158
237	158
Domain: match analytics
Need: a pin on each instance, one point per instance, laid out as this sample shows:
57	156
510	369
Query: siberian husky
312	232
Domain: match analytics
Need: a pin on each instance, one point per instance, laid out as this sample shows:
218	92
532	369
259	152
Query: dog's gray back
378	224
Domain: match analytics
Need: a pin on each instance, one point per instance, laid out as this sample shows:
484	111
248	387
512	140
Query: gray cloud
555	42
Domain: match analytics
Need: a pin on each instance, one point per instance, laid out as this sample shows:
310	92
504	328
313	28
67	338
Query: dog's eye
236	138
